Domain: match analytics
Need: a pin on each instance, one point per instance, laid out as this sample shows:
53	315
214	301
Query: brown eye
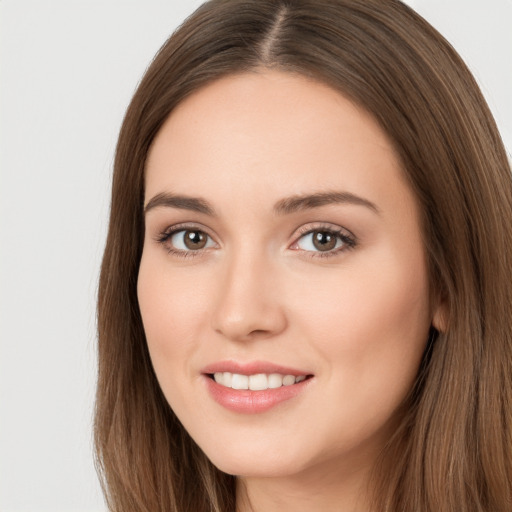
194	240
186	240
324	240
327	241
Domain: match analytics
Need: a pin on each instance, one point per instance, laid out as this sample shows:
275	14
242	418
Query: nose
248	304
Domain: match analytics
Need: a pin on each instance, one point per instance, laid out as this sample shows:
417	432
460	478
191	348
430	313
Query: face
283	284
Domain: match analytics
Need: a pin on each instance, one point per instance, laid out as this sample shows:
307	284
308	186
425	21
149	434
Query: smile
254	387
256	382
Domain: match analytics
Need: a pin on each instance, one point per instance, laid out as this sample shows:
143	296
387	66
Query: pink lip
251	368
247	401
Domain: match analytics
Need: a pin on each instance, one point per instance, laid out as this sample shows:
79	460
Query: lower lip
252	402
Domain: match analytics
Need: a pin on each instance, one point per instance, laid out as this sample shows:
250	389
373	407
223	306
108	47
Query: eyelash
348	240
166	235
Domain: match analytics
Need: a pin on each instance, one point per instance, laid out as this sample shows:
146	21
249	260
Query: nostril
258	332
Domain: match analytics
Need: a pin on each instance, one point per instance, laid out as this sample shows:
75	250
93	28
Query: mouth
257	381
254	387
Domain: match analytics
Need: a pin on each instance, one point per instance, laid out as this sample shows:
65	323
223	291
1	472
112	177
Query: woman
305	298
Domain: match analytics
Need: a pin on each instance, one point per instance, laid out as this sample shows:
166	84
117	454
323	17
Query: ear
440	316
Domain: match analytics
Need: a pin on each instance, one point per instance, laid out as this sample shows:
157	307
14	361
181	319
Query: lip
245	401
252	368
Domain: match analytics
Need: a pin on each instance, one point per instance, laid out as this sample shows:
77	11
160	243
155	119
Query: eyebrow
194	204
304	202
284	206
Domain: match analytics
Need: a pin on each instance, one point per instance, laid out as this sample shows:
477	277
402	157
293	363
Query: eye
184	242
190	240
322	240
319	241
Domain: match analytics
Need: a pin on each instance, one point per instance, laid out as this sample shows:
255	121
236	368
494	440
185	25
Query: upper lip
252	368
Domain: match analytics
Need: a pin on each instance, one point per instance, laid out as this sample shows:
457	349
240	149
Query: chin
249	467
258	461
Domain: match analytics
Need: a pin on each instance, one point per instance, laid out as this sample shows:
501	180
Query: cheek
377	303
173	312
371	322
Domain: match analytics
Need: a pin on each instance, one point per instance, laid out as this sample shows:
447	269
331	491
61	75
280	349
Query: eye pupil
195	239
324	241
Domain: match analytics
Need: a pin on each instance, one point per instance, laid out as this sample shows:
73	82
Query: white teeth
257	382
240	381
288	380
275	380
224	378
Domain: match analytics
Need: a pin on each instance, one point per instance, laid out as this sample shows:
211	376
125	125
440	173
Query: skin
356	318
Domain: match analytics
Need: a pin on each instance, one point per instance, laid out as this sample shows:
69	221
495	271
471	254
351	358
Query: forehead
265	133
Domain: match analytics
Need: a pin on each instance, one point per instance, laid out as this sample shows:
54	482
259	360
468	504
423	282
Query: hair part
452	449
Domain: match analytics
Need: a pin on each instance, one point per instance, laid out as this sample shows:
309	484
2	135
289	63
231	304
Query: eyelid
319	226
165	235
348	238
183	226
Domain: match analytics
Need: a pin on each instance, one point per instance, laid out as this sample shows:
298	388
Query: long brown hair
453	447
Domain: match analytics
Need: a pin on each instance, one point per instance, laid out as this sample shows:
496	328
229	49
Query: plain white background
67	71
